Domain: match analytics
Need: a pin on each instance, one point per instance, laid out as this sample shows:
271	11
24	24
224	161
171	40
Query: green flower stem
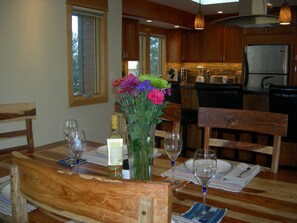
141	151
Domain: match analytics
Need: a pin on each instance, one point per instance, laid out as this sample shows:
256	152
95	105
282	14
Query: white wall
33	66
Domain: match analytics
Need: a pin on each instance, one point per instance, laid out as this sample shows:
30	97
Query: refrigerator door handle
265	78
246	70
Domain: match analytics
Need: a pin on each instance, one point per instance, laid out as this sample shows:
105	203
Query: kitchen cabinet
233	45
130	40
176	46
194	46
214	44
222	44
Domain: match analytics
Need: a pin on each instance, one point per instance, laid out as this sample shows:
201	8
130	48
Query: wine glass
68	126
173	145
204	168
78	144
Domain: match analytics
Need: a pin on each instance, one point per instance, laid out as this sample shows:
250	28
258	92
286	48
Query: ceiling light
220	12
199	22
176	26
149	21
285	14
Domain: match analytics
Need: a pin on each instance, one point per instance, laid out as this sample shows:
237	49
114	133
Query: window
87	65
157	52
151	58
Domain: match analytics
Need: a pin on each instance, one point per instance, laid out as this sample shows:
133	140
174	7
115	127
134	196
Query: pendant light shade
199	22
285	15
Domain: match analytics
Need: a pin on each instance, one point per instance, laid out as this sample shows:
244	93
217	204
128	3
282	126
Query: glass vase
140	142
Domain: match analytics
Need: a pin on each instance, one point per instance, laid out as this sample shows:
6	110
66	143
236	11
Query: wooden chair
15	113
253	121
86	198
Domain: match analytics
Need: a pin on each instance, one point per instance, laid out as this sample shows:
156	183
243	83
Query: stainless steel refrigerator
265	65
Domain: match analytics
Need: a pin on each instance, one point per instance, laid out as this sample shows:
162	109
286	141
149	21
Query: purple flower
129	84
145	85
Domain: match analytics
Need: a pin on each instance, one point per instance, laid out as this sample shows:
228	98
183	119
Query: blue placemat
213	215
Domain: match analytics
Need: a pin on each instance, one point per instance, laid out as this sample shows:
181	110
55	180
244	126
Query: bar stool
188	116
283	99
221	96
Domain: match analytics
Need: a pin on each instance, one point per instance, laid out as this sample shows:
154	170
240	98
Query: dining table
268	197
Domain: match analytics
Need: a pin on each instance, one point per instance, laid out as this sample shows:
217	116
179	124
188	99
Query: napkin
213	215
99	156
5	201
242	173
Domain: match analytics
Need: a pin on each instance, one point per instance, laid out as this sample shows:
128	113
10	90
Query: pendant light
285	14
199	23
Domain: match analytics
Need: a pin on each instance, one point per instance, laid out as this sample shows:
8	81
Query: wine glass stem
173	167
204	191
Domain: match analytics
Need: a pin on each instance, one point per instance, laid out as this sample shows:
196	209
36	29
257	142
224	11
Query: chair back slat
268	123
17	112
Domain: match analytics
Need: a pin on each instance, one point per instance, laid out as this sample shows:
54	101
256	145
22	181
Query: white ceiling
228	8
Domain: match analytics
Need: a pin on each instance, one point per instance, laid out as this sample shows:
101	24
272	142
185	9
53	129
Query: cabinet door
213	43
233	47
130	40
176	46
195	46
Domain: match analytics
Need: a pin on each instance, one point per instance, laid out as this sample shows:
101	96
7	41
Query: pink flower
156	96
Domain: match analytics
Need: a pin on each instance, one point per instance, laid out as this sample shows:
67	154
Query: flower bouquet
142	100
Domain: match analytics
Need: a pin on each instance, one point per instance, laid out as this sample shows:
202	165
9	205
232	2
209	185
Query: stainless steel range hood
252	13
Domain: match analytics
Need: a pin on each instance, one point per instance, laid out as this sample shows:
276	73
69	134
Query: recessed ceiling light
220	12
176	26
149	20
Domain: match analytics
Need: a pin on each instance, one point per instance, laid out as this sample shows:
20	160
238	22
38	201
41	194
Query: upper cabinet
130	40
195	48
214	44
176	46
222	44
233	44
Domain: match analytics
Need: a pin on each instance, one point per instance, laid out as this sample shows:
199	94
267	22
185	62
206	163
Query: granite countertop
246	90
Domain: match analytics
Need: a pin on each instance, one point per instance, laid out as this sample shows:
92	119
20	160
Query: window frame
102	95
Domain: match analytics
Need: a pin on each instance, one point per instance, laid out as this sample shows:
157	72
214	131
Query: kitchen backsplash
233	71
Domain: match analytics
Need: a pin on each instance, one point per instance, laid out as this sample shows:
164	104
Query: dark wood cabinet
130	40
194	46
233	45
214	44
176	46
222	44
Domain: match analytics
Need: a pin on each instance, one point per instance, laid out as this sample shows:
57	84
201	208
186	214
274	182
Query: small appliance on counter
265	65
183	75
172	75
218	79
200	76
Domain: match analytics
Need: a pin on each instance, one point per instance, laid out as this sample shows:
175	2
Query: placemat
219	182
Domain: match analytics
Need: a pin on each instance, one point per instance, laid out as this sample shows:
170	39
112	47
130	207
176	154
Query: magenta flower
156	96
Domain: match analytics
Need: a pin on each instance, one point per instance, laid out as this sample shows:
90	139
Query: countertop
246	90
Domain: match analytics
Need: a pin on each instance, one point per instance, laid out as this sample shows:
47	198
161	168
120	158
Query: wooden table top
267	198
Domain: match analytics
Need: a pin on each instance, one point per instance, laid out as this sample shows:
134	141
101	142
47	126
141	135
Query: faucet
265	78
